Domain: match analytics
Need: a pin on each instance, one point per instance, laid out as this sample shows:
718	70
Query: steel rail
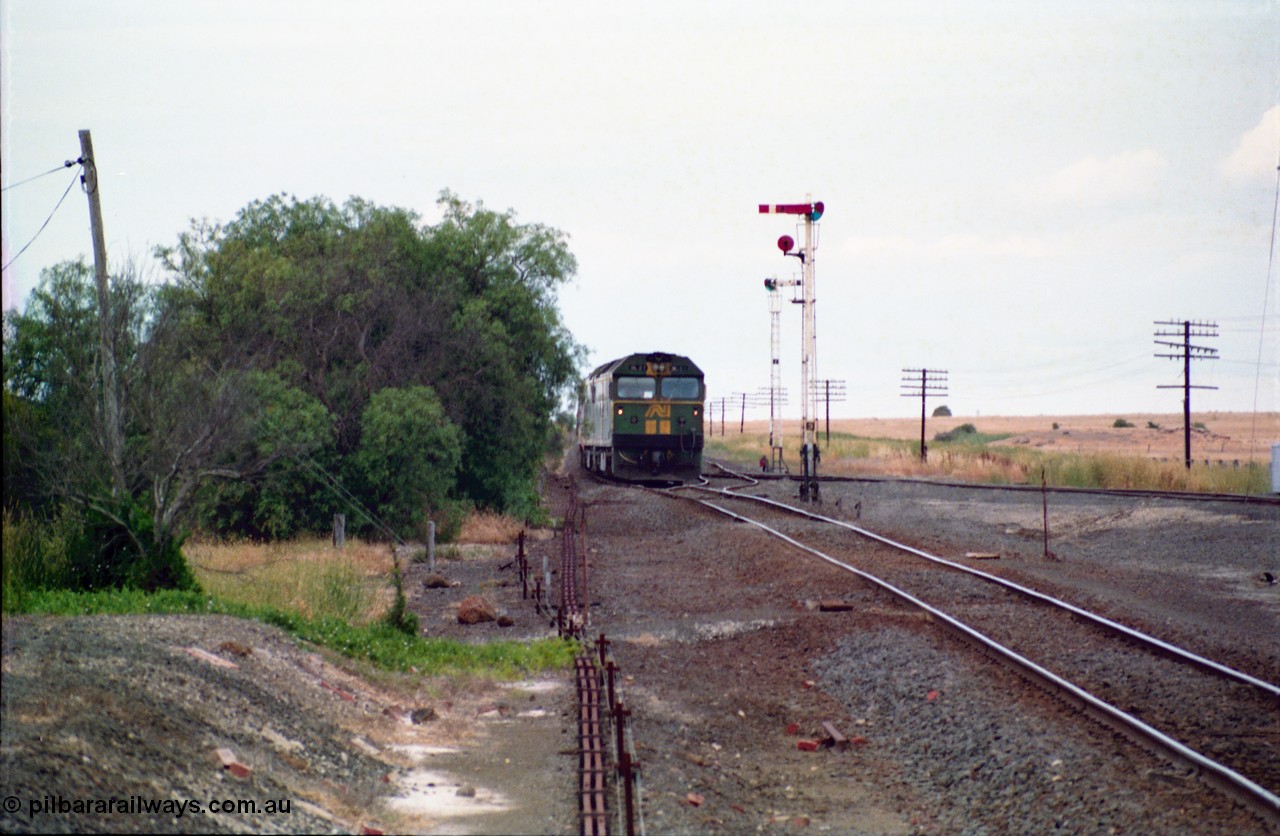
1179	653
1247	792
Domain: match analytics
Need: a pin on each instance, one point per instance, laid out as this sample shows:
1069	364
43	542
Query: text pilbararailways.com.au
138	805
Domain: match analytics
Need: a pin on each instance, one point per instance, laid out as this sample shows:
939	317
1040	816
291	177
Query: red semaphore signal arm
812	210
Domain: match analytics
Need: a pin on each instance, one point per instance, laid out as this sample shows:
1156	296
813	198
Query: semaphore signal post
809	454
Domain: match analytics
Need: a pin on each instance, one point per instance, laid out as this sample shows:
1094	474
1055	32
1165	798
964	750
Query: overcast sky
1015	191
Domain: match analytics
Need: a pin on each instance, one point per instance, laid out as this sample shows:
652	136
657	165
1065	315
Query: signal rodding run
595	712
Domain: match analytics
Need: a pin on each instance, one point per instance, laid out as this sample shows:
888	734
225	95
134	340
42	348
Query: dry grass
1225	436
306	576
490	528
1081	451
309	577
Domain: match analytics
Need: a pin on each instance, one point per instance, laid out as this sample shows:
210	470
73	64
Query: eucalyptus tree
343	302
187	419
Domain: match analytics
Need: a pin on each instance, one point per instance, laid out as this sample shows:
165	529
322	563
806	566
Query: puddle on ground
441	785
699	632
420	752
426	793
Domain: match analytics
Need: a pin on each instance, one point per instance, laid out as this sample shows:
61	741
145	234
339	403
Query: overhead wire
67	164
1086	378
43	225
1266	298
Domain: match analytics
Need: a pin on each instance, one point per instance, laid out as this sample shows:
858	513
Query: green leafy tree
343	302
408	458
187	419
53	394
522	359
293	433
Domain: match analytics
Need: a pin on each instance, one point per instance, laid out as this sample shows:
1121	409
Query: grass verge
385	647
977	457
332	599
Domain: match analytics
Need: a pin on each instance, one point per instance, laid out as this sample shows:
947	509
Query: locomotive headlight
696	412
619	410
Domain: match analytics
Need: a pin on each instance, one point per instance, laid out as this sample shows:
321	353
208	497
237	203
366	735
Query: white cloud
1092	181
1256	152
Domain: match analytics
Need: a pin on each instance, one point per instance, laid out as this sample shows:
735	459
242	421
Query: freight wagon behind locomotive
640	418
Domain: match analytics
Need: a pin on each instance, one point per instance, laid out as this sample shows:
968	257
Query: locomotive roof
679	364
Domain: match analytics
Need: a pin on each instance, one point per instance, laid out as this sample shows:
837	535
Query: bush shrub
957	434
107	554
1121	423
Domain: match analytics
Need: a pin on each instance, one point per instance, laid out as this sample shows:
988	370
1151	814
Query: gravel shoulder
126	723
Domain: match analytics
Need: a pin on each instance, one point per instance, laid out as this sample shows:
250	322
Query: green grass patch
377	643
331	599
1116	472
968	434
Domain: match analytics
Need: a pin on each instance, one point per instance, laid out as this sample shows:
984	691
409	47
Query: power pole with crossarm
1186	352
920	383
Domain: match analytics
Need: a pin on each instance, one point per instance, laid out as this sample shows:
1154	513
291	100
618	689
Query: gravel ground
712	625
112	710
725	663
1188	571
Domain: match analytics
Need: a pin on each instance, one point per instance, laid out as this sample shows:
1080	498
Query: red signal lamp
786	243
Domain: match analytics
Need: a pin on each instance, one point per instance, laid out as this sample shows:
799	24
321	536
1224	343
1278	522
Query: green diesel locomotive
640	418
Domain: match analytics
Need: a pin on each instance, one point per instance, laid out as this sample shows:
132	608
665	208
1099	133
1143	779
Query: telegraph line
46	220
1186	353
919	384
1266	297
66	164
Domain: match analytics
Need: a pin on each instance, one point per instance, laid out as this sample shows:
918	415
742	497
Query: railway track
1184	496
601	709
1220	723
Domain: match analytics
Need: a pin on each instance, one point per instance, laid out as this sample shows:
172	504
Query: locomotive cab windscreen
681	388
636	388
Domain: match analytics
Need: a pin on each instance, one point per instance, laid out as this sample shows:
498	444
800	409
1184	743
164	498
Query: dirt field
1227	435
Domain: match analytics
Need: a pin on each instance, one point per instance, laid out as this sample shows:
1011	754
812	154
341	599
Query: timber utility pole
809	455
831	390
110	389
1186	352
920	383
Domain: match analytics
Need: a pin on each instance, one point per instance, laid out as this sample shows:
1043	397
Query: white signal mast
809	455
775	371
